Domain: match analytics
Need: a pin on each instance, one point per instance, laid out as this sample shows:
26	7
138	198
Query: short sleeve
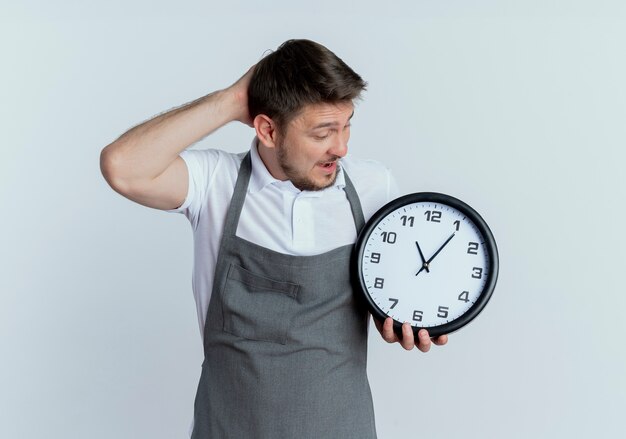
190	188
201	164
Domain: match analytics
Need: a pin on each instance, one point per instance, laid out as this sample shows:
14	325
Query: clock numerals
472	248
478	273
375	258
442	312
433	216
457	225
464	296
378	282
408	220
417	316
389	237
395	302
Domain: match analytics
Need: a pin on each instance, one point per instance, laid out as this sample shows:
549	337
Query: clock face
427	259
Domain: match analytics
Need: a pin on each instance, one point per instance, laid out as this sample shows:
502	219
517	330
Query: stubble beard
297	179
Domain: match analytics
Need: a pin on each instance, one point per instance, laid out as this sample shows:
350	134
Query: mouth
328	167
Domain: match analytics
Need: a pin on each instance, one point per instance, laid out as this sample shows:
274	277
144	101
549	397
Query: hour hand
424	264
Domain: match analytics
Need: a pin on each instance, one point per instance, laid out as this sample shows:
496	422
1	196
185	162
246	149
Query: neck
270	160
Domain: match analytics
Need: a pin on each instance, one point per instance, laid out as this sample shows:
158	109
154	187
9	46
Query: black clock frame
447	200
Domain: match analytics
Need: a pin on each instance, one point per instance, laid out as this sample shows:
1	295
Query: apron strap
241	187
355	203
239	196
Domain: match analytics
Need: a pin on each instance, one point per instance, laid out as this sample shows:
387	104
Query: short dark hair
300	72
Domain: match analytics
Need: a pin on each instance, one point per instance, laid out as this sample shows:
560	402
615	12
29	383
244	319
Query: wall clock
428	259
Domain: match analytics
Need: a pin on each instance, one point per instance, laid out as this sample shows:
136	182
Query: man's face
314	141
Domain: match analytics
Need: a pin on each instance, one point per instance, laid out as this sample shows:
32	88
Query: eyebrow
330	124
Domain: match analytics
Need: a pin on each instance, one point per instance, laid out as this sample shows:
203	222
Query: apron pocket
256	307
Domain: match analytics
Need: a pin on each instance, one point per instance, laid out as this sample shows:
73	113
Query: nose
339	147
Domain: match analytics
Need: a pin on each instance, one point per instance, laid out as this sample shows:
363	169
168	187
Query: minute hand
436	253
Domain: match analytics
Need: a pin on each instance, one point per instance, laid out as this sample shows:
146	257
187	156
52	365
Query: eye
328	134
321	137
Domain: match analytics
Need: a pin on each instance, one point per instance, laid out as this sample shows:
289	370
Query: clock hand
424	265
427	263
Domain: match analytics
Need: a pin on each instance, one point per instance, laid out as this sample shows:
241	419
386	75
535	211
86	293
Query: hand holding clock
408	340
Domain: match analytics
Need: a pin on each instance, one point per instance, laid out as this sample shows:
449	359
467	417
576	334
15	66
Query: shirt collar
260	177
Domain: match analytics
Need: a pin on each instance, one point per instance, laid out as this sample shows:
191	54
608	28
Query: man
284	339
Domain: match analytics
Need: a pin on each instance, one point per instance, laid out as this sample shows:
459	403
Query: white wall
516	108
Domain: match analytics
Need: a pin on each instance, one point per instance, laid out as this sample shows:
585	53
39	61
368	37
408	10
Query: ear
265	130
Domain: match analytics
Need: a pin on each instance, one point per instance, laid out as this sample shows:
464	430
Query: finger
408	341
441	340
424	340
388	334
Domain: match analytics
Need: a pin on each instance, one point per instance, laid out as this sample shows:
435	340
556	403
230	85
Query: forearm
145	151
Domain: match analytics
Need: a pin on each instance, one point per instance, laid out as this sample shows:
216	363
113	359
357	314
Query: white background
517	108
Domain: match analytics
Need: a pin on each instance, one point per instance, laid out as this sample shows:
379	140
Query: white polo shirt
276	214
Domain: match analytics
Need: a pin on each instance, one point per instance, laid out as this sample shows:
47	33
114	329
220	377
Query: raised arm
143	164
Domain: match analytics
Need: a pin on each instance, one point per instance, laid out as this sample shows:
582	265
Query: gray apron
285	342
